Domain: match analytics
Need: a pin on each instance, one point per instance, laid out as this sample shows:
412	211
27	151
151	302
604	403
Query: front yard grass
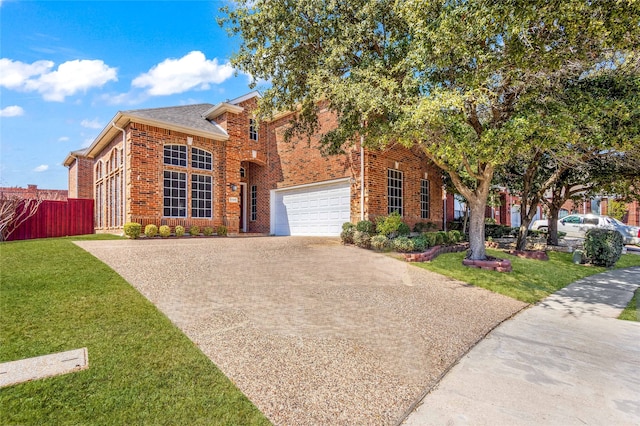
530	281
631	312
54	297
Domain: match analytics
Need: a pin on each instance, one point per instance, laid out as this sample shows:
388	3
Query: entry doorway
243	206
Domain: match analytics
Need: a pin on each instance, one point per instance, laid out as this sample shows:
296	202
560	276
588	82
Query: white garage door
311	210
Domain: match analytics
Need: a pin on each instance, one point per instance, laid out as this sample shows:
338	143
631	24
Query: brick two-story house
209	165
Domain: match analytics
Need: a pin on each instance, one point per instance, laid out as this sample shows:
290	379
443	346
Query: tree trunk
528	210
476	228
552	236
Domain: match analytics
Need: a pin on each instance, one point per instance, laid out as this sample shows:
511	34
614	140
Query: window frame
175	161
196	196
395	195
253	214
425	199
182	177
253	131
204	158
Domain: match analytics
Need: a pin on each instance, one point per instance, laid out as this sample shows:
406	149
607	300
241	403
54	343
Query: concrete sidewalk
565	361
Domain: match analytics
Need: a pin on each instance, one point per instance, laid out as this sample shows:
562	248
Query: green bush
194	231
403	229
440	238
497	231
348	229
389	225
603	247
132	229
366	226
430	237
420	243
380	242
489	221
151	230
403	245
207	231
362	239
455	236
179	231
421	227
347	226
164	231
221	231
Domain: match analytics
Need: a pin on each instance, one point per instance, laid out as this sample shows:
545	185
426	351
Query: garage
312	210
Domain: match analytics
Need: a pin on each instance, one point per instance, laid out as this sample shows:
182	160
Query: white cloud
91	124
11	111
87	142
63	138
41	168
192	71
70	78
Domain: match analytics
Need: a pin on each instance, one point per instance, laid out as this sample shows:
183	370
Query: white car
577	225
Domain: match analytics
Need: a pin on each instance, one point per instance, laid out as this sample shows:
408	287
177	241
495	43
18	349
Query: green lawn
530	280
631	312
55	297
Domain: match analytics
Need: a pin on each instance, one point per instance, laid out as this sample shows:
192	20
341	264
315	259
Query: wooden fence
57	219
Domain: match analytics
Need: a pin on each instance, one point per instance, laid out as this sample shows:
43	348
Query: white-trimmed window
201	159
254	203
175	155
99	196
394	191
424	199
253	130
201	195
175	194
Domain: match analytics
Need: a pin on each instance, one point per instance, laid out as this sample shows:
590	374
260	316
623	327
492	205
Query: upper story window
394	191
99	170
201	159
175	155
253	130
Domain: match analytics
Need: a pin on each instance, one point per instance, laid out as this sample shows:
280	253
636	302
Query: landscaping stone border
529	254
434	252
500	265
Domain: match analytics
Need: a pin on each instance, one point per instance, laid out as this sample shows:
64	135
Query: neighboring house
33	192
210	165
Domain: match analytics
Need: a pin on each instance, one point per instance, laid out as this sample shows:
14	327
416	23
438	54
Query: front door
243	227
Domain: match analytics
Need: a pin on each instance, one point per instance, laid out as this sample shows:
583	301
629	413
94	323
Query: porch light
233	187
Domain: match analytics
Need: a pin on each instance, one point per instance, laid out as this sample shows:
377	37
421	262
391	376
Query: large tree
446	76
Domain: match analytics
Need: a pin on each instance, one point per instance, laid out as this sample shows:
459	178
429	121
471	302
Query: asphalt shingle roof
185	116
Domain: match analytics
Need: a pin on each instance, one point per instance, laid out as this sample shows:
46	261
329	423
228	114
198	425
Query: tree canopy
448	76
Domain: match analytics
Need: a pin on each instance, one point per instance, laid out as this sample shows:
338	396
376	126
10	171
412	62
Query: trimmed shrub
164	231
221	231
132	229
454	236
388	225
420	243
497	231
380	242
179	231
431	238
348	229
603	247
403	229
403	245
421	227
207	231
362	239
366	226
440	238
194	230
151	230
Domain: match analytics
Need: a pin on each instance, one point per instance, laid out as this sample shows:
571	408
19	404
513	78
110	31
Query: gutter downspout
124	172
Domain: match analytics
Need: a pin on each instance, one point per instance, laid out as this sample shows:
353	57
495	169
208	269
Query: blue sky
67	67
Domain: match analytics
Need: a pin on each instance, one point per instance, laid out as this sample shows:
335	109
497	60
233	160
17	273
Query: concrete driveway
311	331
